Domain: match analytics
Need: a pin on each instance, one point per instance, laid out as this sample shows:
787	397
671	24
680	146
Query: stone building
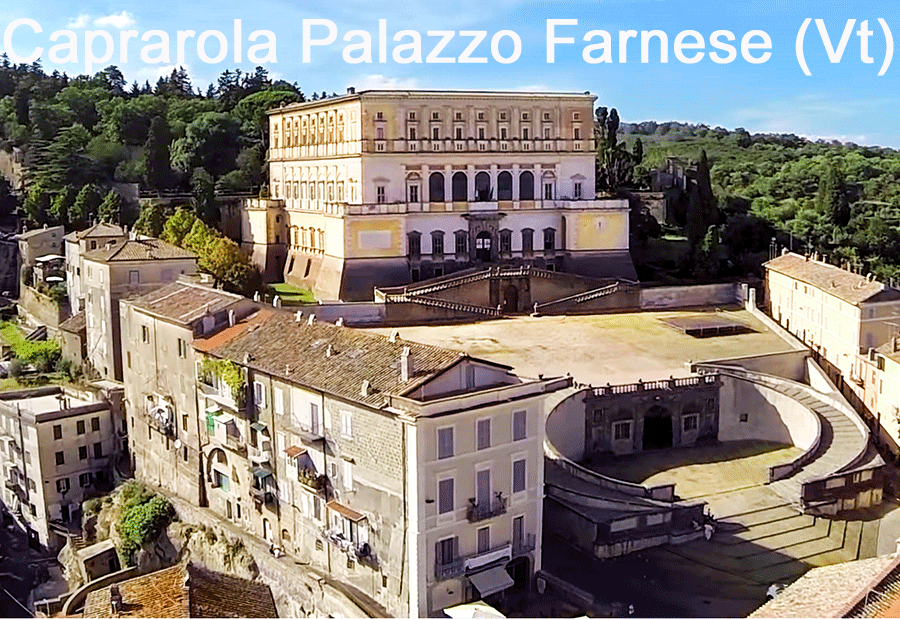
34	244
837	313
383	188
879	381
411	472
116	271
60	446
678	412
158	330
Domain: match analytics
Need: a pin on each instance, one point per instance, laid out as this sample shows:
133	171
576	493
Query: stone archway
484	231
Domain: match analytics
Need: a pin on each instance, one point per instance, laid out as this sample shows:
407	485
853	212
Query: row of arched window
459	186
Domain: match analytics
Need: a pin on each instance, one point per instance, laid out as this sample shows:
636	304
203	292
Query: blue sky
846	101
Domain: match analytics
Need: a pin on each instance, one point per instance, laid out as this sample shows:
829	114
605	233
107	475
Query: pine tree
157	165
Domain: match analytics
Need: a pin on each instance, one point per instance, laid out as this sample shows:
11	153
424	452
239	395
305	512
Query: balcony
259	456
504	552
478	512
236	445
261	495
361	552
222	399
315	482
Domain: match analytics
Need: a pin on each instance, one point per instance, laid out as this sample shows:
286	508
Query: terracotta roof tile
139	249
184	302
324	356
74	324
185	591
838	282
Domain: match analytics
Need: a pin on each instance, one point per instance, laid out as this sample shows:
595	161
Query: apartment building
34	244
157	331
116	271
837	313
412	472
77	244
387	187
59	447
879	380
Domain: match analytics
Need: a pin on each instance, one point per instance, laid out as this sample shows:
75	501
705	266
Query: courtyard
599	349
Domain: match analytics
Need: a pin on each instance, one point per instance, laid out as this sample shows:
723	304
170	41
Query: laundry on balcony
491	581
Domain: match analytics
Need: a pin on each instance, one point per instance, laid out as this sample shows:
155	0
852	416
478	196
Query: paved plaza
607	348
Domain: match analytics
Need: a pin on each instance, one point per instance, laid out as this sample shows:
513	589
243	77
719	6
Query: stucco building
59	446
879	381
121	270
381	188
77	244
837	313
34	244
158	330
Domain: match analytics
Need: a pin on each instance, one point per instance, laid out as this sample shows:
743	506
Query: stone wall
667	297
39	308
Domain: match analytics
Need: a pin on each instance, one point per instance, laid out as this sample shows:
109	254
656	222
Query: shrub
144	517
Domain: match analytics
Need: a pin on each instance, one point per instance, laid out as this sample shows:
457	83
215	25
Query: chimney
406	365
329	351
351	90
115	599
231	318
311	319
298	316
340	322
395	335
247	358
366	389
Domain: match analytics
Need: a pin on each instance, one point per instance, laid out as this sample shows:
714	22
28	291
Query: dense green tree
151	221
61	208
84	209
203	196
37	204
156	158
178	226
110	210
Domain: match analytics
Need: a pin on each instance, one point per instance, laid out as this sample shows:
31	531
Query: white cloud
79	22
116	20
376	81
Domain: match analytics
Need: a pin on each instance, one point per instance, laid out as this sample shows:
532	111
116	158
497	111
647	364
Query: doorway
511	299
483	247
657	428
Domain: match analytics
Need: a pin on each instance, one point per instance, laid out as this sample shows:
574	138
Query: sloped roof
829	591
39	231
75	324
838	282
101	229
185	591
139	249
184	302
298	352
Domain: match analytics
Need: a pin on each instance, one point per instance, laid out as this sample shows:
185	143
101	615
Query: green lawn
292	295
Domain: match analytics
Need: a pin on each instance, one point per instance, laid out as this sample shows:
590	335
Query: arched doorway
526	186
504	186
657	428
510	299
483	247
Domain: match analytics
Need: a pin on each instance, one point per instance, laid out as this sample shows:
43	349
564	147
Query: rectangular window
518	484
577	191
690	423
57	432
459	134
379	194
519	421
84	479
182	348
503	134
445	443
79	426
446	550
518	536
435	133
60	458
412	133
62	485
525	133
413	193
82	452
577	133
437	244
622	430
445	496
484	539
548	191
98	450
314	419
278	400
145	334
134	277
346	424
259	394
95	424
484	433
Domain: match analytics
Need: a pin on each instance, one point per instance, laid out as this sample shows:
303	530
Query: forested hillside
842	200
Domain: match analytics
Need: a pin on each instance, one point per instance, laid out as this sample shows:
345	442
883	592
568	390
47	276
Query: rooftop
185	591
831	591
184	302
891	349
324	356
101	229
433	94
139	249
51	403
39	231
843	284
74	324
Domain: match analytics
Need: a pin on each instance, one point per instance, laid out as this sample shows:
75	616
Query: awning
293	451
345	511
214	410
259	427
260	472
491	581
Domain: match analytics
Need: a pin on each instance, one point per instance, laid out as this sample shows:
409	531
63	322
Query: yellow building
880	378
835	312
381	188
